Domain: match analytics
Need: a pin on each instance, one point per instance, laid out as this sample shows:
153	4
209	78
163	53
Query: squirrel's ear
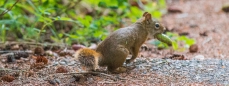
144	14
148	16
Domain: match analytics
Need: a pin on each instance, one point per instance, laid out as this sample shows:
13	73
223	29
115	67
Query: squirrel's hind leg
118	59
117	70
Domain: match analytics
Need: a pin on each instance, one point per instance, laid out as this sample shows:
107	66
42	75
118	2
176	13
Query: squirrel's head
152	26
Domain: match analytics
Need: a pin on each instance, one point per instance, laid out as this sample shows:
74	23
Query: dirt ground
202	20
200	17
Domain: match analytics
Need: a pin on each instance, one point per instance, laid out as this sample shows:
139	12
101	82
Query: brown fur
117	46
88	60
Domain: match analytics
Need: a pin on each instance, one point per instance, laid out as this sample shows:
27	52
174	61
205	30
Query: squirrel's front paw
128	61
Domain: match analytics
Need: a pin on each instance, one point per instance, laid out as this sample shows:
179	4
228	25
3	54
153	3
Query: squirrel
113	51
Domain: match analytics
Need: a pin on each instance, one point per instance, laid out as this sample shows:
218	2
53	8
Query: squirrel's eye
157	25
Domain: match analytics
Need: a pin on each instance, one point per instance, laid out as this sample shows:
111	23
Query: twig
75	3
207	40
4	12
140	4
5	1
112	77
9	51
33	43
5	69
3	54
106	82
36	44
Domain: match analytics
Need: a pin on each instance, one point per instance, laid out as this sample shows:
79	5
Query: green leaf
3	33
103	37
102	4
73	36
156	14
38	30
121	2
60	35
8	21
162	3
63	18
27	8
175	45
44	19
113	7
98	34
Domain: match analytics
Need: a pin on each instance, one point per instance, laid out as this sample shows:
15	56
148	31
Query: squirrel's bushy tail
88	58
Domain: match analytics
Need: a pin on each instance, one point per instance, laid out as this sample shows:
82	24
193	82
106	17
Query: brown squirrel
113	51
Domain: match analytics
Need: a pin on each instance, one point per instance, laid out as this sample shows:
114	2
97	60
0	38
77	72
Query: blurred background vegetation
67	21
74	21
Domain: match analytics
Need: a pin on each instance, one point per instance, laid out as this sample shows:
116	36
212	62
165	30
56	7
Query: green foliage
177	40
66	21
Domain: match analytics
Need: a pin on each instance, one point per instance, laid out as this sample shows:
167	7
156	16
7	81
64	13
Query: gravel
147	72
209	71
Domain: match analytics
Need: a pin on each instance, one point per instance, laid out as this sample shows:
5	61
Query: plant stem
4	12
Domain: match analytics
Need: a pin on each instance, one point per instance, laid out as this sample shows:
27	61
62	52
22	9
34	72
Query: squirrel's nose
163	29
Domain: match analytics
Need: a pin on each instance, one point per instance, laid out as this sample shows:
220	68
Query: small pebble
57	81
71	63
63	63
199	57
55	63
193	48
